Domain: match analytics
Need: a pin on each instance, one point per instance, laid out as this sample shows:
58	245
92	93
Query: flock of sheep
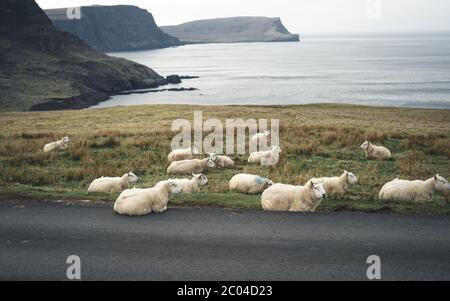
275	197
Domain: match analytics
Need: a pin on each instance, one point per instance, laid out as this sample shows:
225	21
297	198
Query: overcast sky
299	16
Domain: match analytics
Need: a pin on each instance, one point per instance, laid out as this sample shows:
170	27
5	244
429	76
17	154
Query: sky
299	16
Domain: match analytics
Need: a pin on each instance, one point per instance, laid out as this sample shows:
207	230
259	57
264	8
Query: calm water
407	71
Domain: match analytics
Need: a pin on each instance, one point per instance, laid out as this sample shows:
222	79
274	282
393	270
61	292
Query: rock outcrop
114	28
232	30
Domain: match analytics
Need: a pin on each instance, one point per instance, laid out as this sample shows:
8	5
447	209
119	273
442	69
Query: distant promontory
232	30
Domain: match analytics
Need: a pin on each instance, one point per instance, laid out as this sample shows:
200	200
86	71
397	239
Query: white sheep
187	167
376	152
266	158
136	202
258	138
182	154
249	184
337	185
116	184
417	191
189	186
57	145
222	161
282	197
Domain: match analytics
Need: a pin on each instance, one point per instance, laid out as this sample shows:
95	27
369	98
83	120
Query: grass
317	140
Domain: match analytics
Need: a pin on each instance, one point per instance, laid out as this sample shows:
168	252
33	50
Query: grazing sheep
376	152
281	197
222	161
266	158
117	184
182	154
417	191
58	145
189	186
187	167
338	185
144	201
249	184
257	138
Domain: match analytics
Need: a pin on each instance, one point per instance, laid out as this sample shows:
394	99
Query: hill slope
232	30
44	68
114	28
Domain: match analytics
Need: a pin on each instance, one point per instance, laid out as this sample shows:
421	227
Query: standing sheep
222	161
182	154
258	138
267	158
417	191
281	197
117	184
189	186
337	185
58	145
249	184
376	152
187	167
136	202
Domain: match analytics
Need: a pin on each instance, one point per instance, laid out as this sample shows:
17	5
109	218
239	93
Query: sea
397	71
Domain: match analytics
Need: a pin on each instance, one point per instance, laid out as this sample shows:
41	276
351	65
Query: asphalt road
216	244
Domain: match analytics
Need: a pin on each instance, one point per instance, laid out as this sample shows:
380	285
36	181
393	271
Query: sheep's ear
436	177
312	184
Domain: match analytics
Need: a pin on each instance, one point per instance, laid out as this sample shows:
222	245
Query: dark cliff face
232	30
42	67
114	28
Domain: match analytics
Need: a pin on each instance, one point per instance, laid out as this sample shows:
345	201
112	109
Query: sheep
249	184
182	154
376	152
57	145
266	158
117	184
137	202
337	185
259	137
187	167
282	197
417	191
189	186
222	161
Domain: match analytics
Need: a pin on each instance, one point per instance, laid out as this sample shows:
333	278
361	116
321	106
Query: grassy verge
317	140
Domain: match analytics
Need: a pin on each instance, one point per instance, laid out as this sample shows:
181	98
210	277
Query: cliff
114	28
232	30
43	68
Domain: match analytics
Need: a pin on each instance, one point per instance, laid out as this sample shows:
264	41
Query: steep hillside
232	30
114	28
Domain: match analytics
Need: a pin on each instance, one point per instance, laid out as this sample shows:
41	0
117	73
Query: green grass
317	140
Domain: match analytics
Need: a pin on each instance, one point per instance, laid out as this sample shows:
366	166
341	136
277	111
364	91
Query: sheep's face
213	157
318	190
132	178
66	140
276	149
267	133
174	188
267	184
351	178
202	179
441	183
195	151
210	163
365	145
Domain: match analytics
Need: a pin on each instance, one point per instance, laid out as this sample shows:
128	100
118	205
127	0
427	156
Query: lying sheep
222	161
144	201
337	185
189	186
56	146
117	184
249	184
281	197
376	152
417	191
259	137
182	154
266	158
187	167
